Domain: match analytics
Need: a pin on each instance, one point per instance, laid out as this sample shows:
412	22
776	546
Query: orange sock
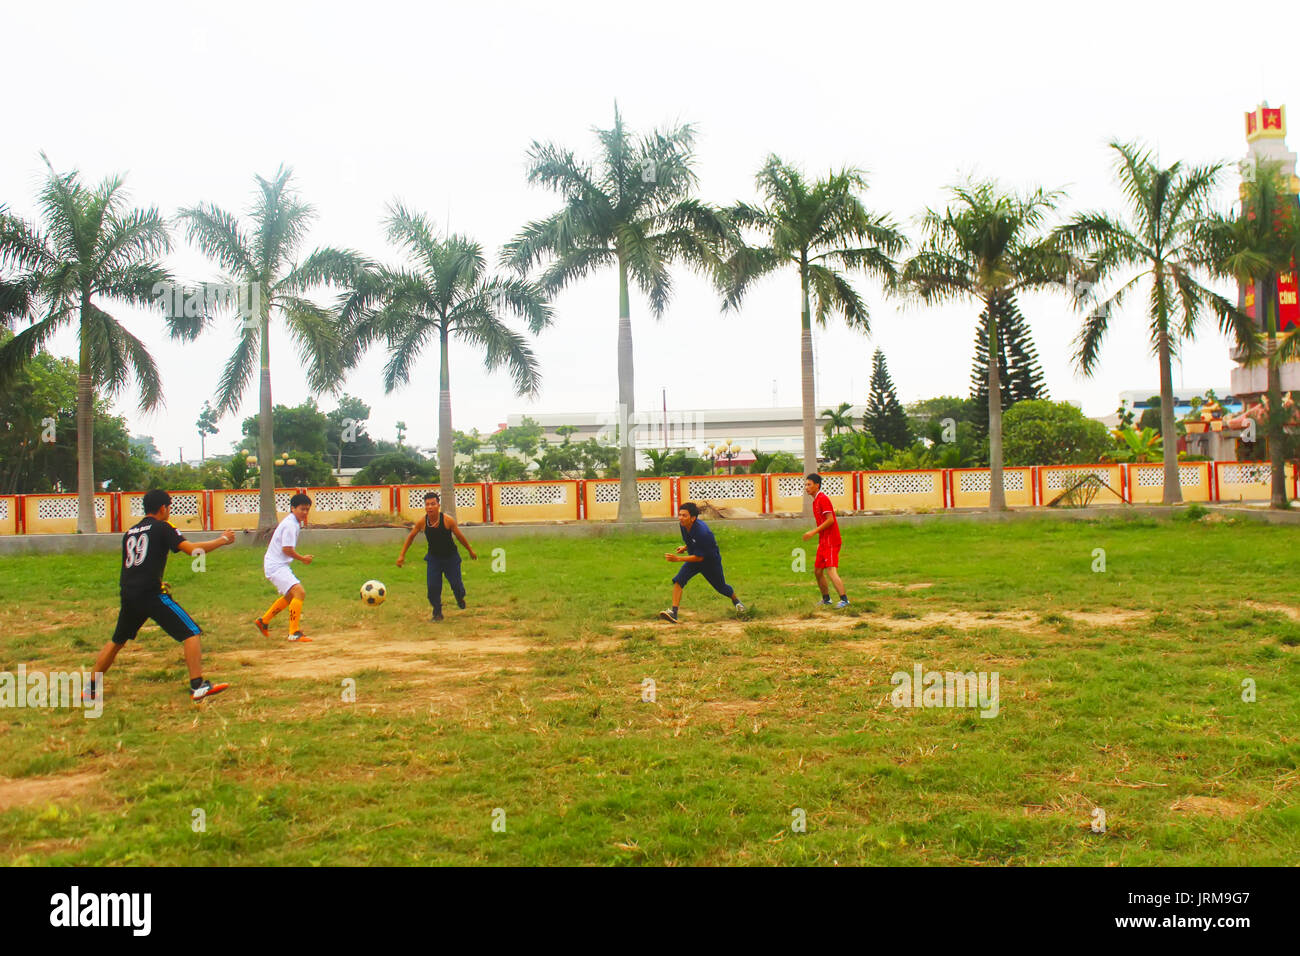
280	604
295	615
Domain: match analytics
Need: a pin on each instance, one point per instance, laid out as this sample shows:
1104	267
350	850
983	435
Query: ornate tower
1266	141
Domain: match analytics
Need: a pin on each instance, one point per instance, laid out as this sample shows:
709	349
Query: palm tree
446	295
987	247
633	210
1255	248
94	247
1164	240
260	264
823	230
15	291
837	419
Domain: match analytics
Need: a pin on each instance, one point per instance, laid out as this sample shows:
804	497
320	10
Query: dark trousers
438	567
712	571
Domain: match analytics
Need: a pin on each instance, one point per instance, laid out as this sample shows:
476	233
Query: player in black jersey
145	547
443	556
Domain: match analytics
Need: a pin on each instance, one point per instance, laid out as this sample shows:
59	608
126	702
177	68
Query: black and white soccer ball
373	593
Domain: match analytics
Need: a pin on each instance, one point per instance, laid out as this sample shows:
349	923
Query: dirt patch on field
330	656
1113	618
740	625
854	586
1290	612
1209	806
24	791
34	621
961	620
1065	804
875	622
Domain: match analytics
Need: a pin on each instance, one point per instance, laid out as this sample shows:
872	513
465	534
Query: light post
711	452
729	451
255	471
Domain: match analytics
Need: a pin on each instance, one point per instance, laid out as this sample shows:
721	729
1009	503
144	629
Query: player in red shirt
828	542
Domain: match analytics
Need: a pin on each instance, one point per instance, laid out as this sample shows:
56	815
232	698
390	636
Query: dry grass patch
25	791
1210	806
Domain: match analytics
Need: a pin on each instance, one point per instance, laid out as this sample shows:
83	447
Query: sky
436	105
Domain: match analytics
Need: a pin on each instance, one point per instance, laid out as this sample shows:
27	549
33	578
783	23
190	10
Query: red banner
1288	301
1288	310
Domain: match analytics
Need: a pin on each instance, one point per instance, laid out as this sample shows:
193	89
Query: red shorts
828	554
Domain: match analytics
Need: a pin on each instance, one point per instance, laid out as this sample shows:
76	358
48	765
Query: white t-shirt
286	536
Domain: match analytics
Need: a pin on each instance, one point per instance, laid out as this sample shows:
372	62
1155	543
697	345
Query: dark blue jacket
699	541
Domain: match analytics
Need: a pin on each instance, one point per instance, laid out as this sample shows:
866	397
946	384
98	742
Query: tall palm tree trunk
806	380
629	505
446	462
1276	413
997	494
85	434
1173	492
266	518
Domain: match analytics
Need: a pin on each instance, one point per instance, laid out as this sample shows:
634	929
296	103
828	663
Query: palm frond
20	349
403	350
145	370
835	295
558	169
934	275
314	329
645	264
334	267
140	234
573	265
503	347
219	236
24	247
1096	323
282	218
524	299
238	370
412	232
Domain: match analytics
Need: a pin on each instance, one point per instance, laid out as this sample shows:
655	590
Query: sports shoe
298	637
261	626
843	602
669	616
460	603
90	695
205	690
824	602
740	608
437	616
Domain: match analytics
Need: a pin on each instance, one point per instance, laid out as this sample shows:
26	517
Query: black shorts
165	612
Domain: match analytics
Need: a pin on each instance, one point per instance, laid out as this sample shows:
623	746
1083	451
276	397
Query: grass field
1120	690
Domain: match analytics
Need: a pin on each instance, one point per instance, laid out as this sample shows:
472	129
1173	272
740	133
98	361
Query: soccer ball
373	592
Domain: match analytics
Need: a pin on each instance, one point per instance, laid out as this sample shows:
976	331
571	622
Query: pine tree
1019	374
884	418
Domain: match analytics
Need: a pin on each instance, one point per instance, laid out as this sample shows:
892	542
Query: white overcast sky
436	104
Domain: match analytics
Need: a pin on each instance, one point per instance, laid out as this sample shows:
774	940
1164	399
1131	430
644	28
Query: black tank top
441	543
